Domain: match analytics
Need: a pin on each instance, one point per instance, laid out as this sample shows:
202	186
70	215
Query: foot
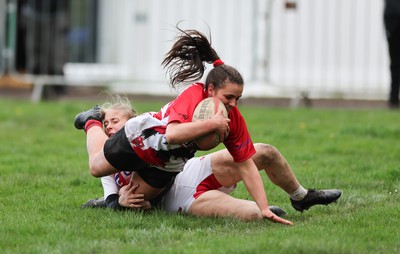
83	117
95	203
316	197
277	211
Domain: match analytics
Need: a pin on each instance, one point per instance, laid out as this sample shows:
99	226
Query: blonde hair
121	103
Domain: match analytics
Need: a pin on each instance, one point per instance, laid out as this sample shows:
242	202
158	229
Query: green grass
44	179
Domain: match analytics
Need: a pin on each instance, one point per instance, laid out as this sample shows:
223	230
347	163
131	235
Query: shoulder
194	93
195	87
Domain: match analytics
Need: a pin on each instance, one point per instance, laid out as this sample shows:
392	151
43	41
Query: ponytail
185	62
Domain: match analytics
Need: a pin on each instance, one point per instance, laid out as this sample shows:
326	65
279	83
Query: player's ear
211	90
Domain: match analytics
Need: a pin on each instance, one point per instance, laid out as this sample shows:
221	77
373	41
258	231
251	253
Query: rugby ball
206	109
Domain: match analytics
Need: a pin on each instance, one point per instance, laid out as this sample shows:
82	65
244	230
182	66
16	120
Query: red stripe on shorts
209	183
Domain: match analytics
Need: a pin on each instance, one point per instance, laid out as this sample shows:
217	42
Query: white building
283	48
325	48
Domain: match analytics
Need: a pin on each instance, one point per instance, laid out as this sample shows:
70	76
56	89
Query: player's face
229	94
113	121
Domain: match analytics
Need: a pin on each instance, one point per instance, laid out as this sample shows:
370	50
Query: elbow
94	172
169	138
174	135
172	139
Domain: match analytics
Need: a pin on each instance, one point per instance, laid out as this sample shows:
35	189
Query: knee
94	172
267	153
94	169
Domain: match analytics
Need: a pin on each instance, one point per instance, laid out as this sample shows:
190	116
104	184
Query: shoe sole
308	207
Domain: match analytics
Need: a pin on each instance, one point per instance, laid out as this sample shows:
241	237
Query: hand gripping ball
206	109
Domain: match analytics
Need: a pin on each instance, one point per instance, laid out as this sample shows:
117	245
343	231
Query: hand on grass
267	214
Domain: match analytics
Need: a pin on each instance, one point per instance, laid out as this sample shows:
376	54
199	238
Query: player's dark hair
185	62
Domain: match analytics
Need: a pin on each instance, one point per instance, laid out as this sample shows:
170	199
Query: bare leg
148	191
277	168
266	157
98	164
280	173
214	203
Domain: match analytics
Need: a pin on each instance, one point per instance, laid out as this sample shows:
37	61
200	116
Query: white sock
298	194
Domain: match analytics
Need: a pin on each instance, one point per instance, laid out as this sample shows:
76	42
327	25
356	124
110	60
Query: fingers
223	135
130	199
277	219
136	203
223	125
274	218
220	112
133	187
227	132
133	202
135	198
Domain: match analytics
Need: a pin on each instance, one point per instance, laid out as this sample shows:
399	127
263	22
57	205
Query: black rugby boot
83	117
277	210
95	203
316	197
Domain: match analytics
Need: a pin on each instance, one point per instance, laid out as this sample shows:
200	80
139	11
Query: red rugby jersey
147	136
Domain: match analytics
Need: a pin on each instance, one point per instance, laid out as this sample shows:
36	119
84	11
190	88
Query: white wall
328	48
146	32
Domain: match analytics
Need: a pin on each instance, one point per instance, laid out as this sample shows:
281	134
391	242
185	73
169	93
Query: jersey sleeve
238	142
182	108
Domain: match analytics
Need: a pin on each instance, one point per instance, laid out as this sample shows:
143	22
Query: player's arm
254	185
179	133
127	199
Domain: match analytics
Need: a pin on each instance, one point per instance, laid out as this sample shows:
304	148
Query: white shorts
181	195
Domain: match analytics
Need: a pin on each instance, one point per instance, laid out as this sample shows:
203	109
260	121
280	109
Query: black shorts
121	156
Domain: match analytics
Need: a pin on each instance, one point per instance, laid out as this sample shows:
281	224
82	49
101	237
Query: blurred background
296	49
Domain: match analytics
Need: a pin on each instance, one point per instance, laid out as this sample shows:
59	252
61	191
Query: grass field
44	179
